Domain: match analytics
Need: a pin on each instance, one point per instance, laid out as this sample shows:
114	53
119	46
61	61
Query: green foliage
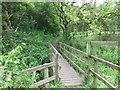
22	50
60	16
12	75
43	18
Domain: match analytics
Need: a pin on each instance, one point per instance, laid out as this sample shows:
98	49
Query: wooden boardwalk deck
68	76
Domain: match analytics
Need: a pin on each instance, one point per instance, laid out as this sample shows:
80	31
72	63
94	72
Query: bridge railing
54	54
90	33
63	49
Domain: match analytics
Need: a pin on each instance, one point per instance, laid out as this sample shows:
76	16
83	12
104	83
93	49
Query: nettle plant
12	76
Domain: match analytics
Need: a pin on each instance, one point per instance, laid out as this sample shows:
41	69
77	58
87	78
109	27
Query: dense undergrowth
23	50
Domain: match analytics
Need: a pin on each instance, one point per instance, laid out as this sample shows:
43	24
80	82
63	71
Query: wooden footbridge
62	62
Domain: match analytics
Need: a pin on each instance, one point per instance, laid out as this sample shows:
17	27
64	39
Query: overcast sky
98	2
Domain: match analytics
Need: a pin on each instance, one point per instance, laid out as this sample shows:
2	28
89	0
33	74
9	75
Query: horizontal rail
55	49
79	51
103	80
93	33
46	65
74	64
114	43
105	62
95	58
42	82
74	56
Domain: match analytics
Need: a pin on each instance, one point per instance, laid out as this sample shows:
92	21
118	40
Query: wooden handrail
95	73
46	80
55	49
42	82
53	64
113	43
103	80
95	58
92	33
46	65
79	51
105	62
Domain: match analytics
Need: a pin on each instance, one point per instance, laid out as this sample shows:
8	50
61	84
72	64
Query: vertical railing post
46	75
60	47
95	77
51	58
119	62
50	53
1	72
71	55
33	77
87	61
56	70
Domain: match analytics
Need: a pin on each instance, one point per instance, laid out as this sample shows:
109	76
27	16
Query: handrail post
95	77
87	61
72	53
51	57
60	46
56	70
1	72
46	75
33	77
50	52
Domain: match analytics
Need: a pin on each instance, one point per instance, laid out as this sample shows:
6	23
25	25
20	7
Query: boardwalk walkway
68	76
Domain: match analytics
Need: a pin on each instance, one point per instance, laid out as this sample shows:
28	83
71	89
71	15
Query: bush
23	50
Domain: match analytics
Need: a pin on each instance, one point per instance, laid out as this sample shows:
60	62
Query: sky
98	2
79	2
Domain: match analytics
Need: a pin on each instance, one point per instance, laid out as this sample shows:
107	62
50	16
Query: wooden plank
42	82
105	62
46	65
74	64
46	75
68	75
71	84
103	80
114	43
56	70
